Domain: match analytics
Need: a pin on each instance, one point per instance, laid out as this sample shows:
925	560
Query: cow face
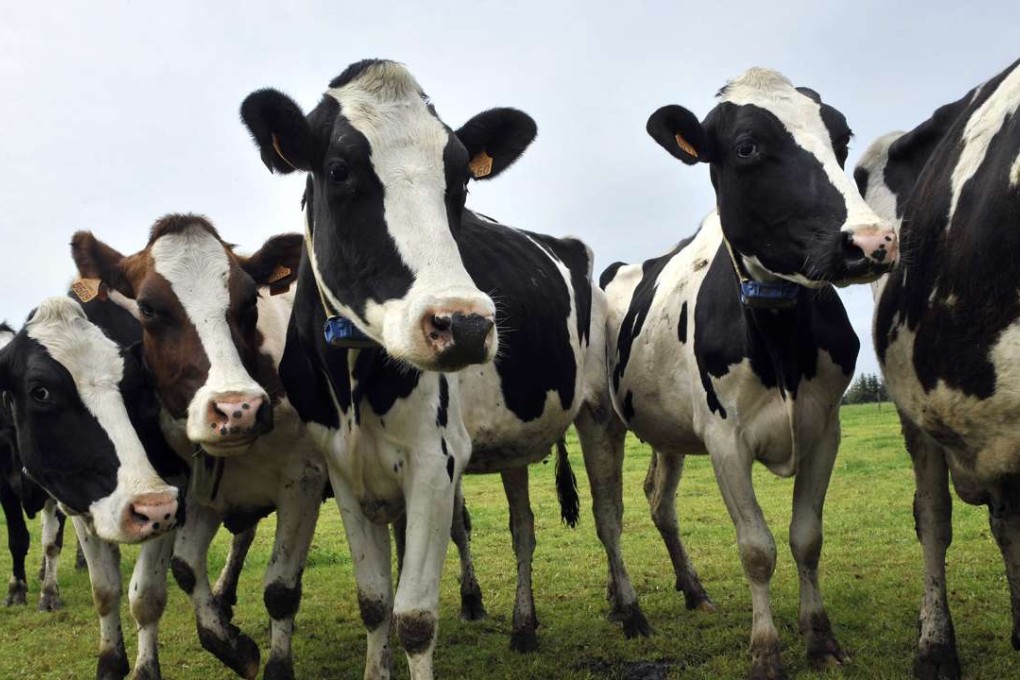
776	155
77	400
387	182
198	305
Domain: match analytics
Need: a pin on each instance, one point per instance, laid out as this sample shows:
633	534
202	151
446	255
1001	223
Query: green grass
870	575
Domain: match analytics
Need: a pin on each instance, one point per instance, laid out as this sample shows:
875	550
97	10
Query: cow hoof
1016	640
49	601
937	662
471	607
524	641
279	668
224	606
766	663
149	670
113	664
238	651
17	593
632	619
698	601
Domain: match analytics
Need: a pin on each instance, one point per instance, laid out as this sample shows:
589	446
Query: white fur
95	365
5	338
197	267
1014	173
387	106
801	116
979	131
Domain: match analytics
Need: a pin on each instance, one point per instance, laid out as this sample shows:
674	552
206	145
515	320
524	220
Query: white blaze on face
802	118
407	142
983	125
96	367
878	194
197	267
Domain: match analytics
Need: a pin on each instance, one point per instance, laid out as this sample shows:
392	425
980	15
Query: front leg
52	540
104	571
809	491
370	550
1005	522
471	607
217	635
522	529
429	488
933	518
147	594
296	516
17	542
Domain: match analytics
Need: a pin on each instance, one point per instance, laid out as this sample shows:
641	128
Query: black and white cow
213	325
947	329
758	346
20	496
390	246
88	433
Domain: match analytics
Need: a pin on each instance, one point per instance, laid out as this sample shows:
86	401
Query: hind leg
17	542
147	595
522	528
1005	523
471	607
225	590
661	484
52	539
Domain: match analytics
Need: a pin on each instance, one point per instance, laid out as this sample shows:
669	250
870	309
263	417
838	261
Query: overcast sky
114	113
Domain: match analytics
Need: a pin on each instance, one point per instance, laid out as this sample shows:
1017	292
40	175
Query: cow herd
403	340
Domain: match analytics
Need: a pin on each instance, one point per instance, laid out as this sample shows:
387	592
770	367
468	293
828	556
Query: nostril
139	517
442	323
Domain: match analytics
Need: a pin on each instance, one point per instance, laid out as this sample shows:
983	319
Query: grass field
870	575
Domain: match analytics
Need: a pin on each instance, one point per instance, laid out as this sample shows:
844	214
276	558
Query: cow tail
566	486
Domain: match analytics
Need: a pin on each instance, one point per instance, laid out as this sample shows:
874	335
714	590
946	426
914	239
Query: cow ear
679	132
495	139
276	263
96	260
280	130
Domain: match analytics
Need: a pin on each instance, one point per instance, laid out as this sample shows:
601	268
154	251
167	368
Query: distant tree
868	388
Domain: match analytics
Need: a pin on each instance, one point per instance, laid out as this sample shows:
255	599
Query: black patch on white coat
281	600
444	402
681	326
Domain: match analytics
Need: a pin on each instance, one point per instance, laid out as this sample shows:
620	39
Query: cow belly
982	436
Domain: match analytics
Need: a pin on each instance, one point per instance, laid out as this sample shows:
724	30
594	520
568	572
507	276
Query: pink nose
878	243
150	514
236	415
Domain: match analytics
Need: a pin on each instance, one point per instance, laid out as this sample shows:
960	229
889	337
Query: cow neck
761	294
338	331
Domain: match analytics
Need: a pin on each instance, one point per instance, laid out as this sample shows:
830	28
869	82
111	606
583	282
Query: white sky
115	112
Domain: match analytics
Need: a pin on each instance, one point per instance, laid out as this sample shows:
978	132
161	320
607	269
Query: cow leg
661	484
522	529
933	514
471	607
225	590
809	489
147	595
217	635
602	435
79	558
370	549
1005	523
296	517
17	542
104	571
399	539
52	538
757	548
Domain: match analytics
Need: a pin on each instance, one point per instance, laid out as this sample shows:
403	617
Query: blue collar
340	332
768	295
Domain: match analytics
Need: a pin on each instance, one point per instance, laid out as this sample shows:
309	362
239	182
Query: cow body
213	338
733	343
946	328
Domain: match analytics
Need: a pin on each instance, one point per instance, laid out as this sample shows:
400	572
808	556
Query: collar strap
762	294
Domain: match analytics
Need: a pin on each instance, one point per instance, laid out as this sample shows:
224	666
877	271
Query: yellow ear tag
280	272
86	289
481	165
685	146
276	145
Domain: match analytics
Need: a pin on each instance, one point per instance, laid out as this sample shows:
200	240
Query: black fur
502	133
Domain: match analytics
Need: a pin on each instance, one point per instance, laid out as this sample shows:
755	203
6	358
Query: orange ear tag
685	146
279	274
86	289
481	165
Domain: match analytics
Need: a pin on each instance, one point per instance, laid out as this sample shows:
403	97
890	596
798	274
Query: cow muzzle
235	420
458	339
148	515
868	252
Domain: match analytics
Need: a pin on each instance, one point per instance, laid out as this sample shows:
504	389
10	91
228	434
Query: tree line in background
867	389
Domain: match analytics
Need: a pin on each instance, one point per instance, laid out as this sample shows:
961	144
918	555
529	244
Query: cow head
776	155
79	403
198	302
386	186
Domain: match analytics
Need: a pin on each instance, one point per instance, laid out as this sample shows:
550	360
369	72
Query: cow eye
40	394
339	172
746	148
146	310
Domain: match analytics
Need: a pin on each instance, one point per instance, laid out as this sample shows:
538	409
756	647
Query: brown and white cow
213	335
